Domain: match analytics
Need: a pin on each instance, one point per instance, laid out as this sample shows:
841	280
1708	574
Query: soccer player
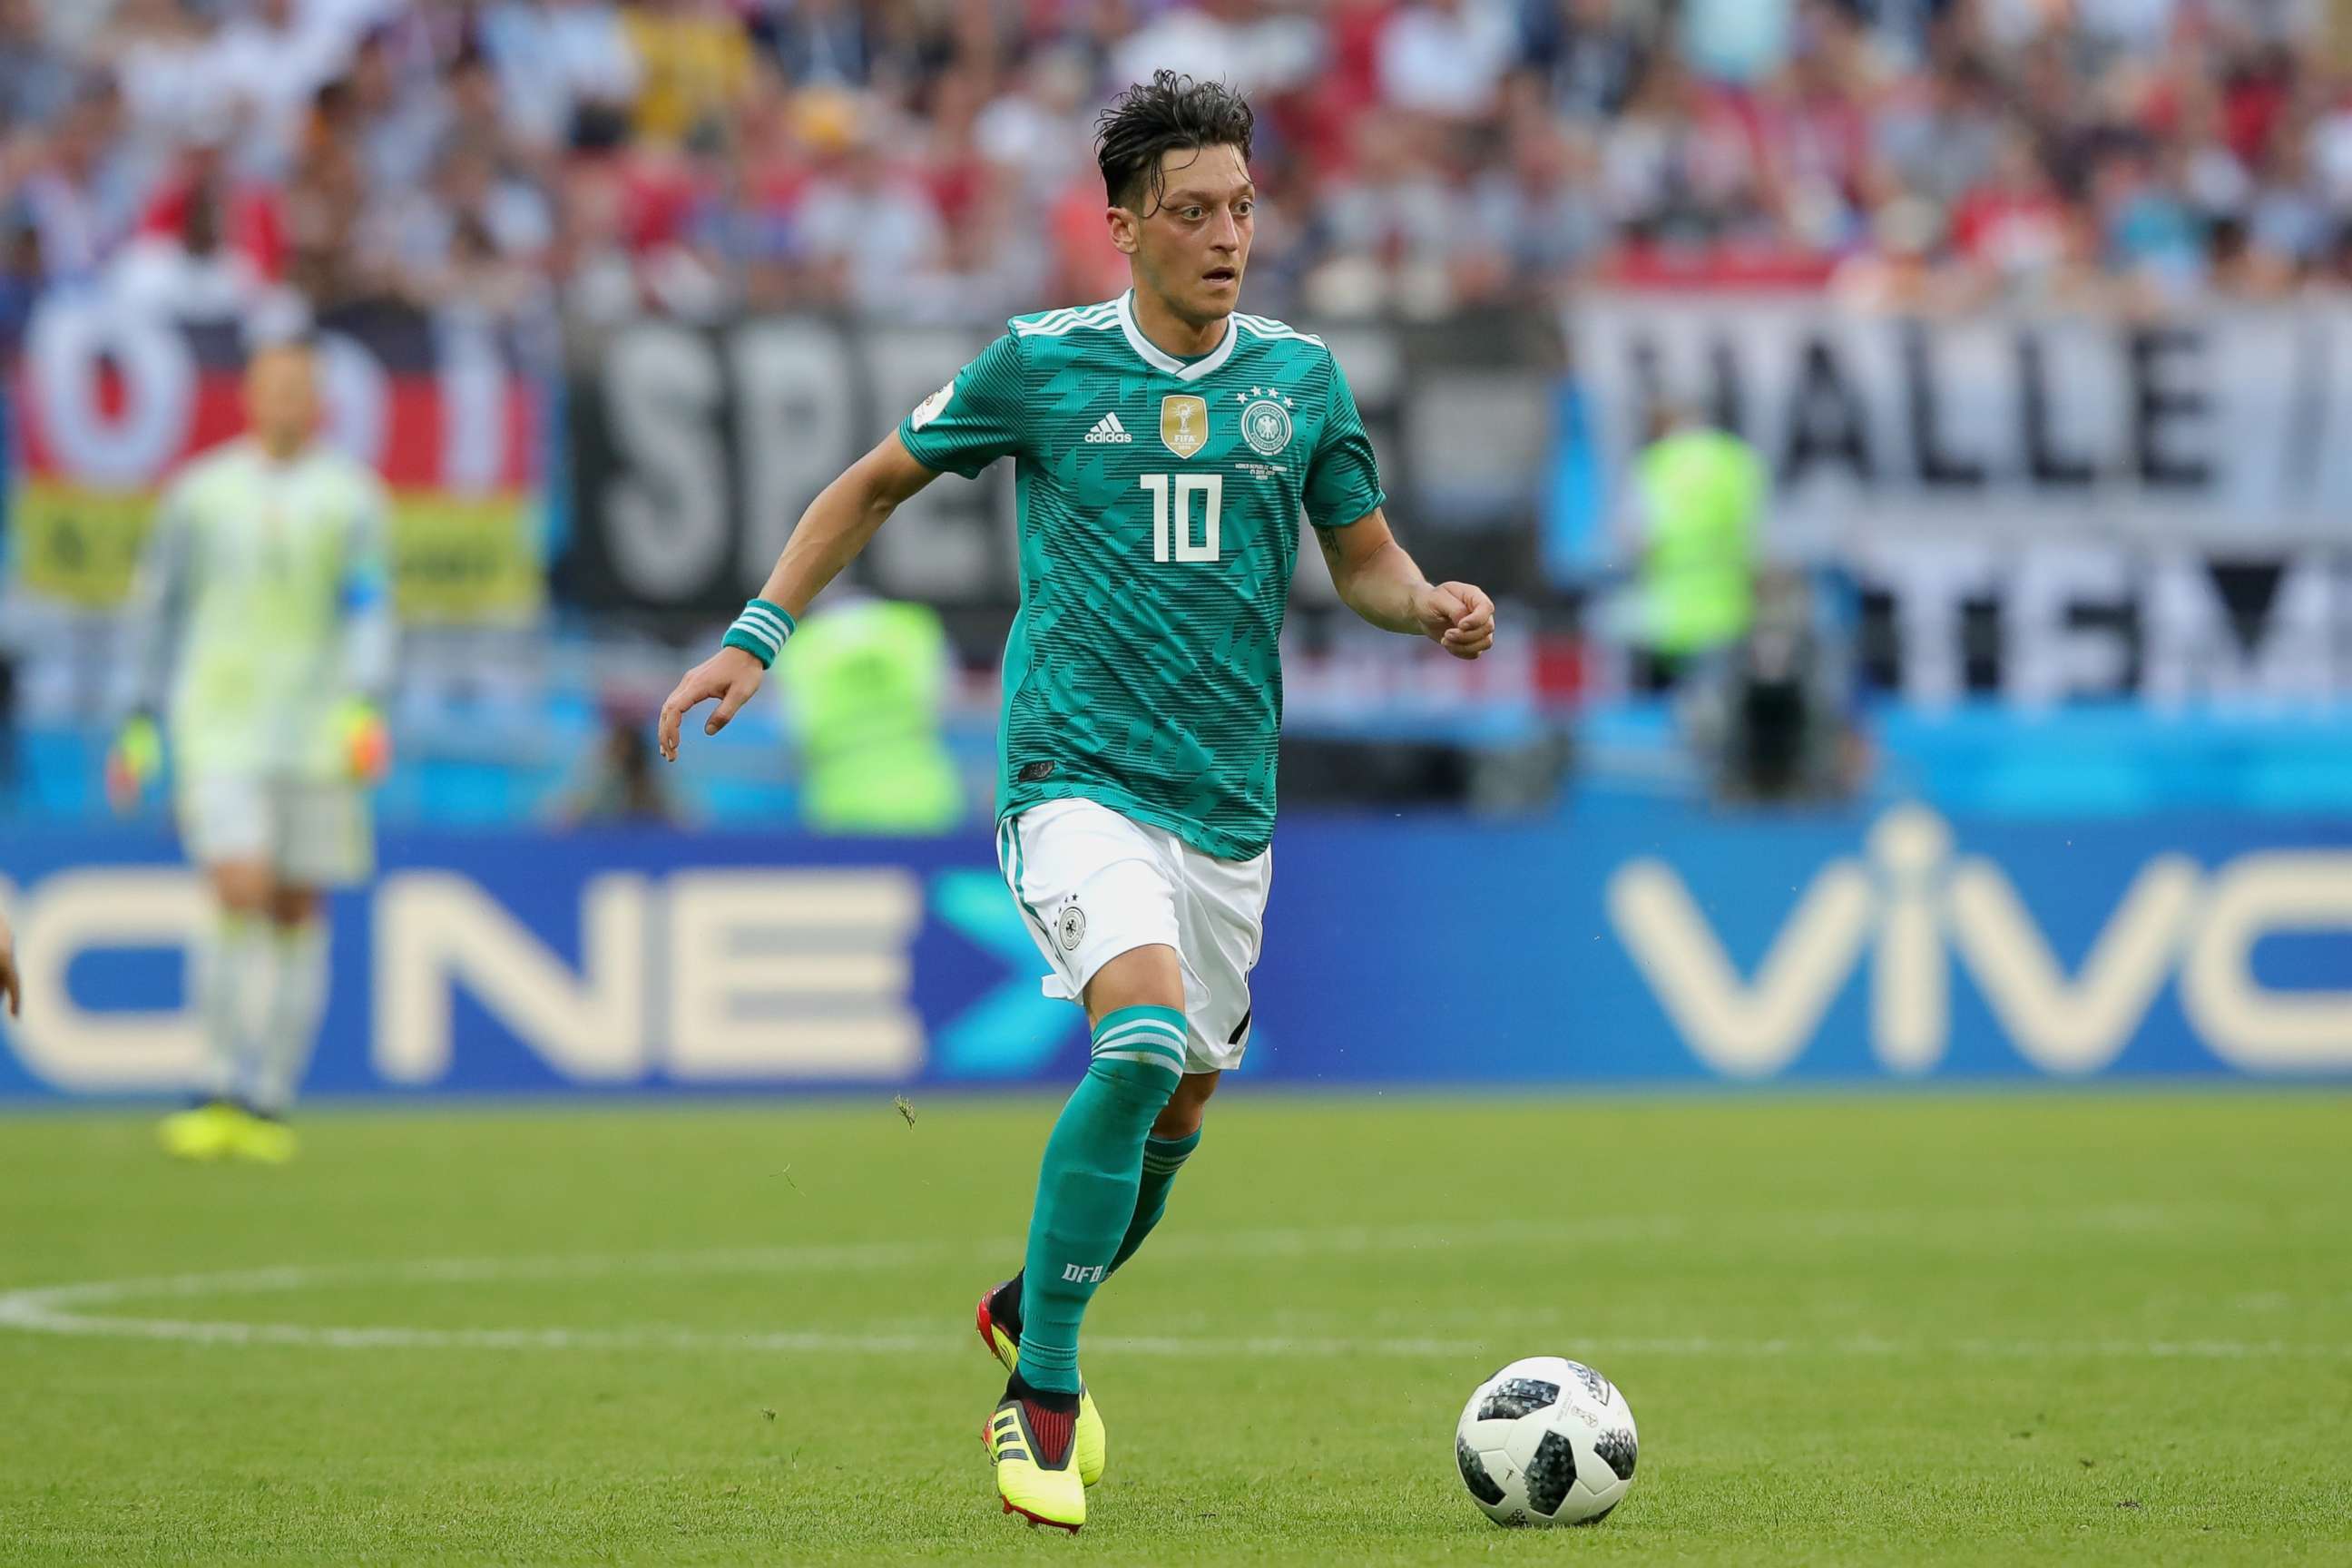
1165	445
265	580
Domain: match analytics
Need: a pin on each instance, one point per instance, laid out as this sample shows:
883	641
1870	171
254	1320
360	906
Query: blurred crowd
932	158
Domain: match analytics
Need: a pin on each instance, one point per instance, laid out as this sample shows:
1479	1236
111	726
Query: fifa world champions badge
1183	423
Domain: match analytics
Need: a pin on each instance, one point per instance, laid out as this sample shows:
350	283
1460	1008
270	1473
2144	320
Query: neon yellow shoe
263	1140
1000	1330
202	1132
1035	1482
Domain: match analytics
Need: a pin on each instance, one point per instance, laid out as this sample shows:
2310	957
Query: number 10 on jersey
1184	487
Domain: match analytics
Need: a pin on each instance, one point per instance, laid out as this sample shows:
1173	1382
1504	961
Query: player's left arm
370	635
1377	580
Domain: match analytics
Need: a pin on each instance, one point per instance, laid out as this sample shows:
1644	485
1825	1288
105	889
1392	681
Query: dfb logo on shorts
1073	925
1082	1274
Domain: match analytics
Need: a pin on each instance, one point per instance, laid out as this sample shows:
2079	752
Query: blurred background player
1167	446
1699	492
868	684
265	585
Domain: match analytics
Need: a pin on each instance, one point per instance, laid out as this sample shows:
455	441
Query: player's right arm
959	429
845	516
155	615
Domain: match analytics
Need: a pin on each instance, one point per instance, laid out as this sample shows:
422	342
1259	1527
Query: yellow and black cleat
1000	1330
262	1139
205	1132
1031	1449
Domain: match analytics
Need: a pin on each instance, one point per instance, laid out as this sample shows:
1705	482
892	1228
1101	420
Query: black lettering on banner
2248	591
1727	405
1826	420
1724	399
2043	460
2161	408
1939	468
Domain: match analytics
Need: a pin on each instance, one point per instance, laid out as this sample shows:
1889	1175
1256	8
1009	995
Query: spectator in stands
825	43
694	59
324	197
23	278
1773	721
871	228
557	61
1445	58
1586	54
395	122
265	68
2143	151
473	237
618	786
1393	225
1257	47
35	81
157	51
87	182
1038	132
1539	216
1939	137
2016	231
209	250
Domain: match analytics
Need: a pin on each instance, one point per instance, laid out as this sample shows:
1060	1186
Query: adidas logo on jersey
1108	429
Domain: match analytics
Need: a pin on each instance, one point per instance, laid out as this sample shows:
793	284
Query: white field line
63	1310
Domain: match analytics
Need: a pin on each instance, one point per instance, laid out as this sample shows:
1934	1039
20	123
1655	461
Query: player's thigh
1093	887
1148	976
323	838
1222	913
225	827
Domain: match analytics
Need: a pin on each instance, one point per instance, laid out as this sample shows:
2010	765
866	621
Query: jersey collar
1157	358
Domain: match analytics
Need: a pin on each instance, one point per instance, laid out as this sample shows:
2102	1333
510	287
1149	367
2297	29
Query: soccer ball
1547	1441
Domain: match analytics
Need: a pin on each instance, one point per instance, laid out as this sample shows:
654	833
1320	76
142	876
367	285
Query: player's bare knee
242	886
1182	1115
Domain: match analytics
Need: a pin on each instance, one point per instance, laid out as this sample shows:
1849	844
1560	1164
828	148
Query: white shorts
1093	884
310	834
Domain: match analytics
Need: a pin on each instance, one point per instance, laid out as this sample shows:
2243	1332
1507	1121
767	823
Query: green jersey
268	585
1158	502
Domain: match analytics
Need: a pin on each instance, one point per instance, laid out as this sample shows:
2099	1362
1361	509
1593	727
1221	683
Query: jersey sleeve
974	419
157	609
1343	477
369	632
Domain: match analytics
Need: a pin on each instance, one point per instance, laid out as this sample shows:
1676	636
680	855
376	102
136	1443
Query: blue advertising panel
1637	945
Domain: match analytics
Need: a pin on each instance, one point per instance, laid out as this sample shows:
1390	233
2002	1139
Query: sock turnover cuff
1153	1035
1162	1155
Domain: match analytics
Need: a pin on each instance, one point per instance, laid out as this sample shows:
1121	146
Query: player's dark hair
1167	113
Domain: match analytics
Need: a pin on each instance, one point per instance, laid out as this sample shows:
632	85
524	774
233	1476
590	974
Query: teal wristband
760	631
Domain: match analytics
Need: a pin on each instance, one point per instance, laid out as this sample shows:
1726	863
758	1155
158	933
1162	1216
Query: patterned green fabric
1158	502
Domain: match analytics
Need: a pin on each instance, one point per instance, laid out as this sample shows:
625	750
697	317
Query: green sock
1087	1189
1163	1158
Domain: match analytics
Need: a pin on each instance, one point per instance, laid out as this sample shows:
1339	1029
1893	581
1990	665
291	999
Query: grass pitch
2095	1329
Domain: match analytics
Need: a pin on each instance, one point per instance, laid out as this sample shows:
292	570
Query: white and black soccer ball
1547	1441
